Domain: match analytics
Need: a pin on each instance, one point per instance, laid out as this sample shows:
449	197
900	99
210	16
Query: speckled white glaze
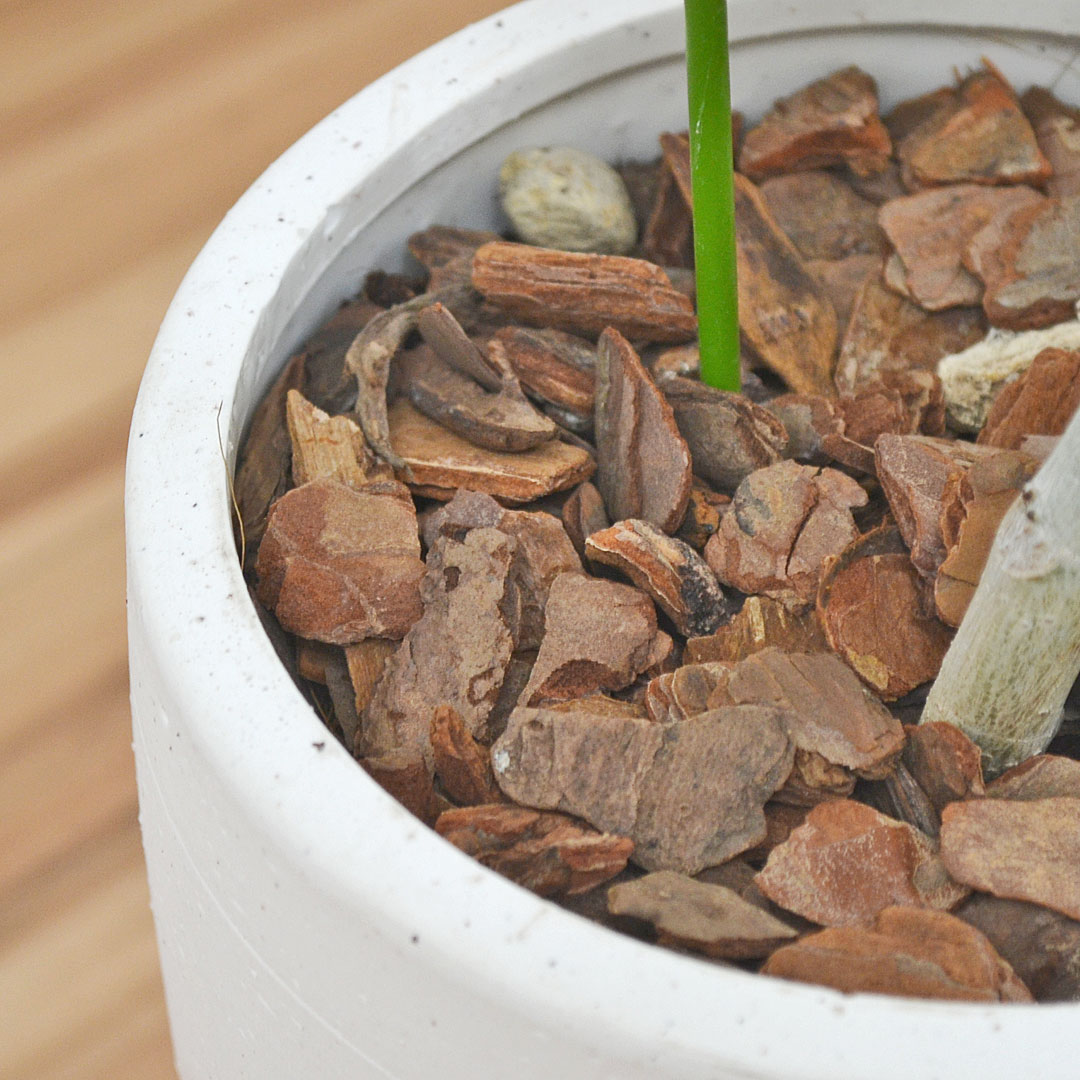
308	926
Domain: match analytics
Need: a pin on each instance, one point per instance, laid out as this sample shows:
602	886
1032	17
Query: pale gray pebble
561	197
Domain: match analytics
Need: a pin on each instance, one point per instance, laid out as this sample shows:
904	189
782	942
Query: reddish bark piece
888	333
704	509
543	551
908	953
781	820
583	514
456	654
689	794
643	466
822	215
974	505
400	773
340	565
1016	849
760	624
842	280
981	136
555	366
438	462
1027	263
829	712
846	863
808	419
1040	402
783	523
1045	776
1042	946
728	436
670	571
872	410
438	245
684	692
708	919
931	231
784	315
583	293
600	635
462	765
1057	131
833	121
550	854
914	471
668	236
870	602
944	762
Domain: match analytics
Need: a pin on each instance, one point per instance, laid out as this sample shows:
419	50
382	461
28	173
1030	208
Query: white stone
971	379
561	197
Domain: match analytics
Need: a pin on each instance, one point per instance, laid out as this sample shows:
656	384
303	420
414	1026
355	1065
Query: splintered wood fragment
833	121
501	421
644	469
1043	946
600	635
783	522
708	919
888	333
543	552
760	624
908	953
461	764
328	447
980	136
583	514
847	863
1018	850
368	359
830	713
550	854
1044	776
931	231
944	762
822	215
340	565
583	293
262	474
870	602
553	365
1027	262
444	334
366	661
728	436
689	794
438	245
439	462
670	571
1057	131
784	313
973	506
1040	402
456	654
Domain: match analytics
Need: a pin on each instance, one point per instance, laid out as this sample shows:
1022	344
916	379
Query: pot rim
187	595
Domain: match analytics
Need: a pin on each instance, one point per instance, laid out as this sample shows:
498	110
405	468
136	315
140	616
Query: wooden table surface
127	129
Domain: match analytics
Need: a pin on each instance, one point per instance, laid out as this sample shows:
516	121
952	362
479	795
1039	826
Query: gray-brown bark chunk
600	635
688	794
456	654
1057	131
543	551
643	466
445	336
728	436
670	571
708	919
944	762
340	565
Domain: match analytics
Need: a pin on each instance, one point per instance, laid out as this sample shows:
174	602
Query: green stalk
711	167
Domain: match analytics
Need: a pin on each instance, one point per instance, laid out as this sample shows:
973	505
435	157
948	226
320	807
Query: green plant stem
711	164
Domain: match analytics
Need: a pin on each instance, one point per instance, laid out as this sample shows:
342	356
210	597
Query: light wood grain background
127	129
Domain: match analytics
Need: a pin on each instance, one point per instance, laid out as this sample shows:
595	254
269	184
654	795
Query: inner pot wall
308	925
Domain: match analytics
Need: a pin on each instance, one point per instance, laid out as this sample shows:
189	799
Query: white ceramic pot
308	926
